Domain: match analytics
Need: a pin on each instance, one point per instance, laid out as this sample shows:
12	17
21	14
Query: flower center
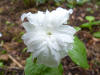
49	33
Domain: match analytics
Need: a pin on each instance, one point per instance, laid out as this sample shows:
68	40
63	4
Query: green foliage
70	3
37	2
57	0
90	18
25	49
28	3
2	73
9	23
39	69
90	22
77	28
81	2
1	64
3	51
78	53
73	3
40	2
96	34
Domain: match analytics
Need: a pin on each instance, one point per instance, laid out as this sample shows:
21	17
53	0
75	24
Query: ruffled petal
66	29
28	27
59	16
64	38
48	59
35	19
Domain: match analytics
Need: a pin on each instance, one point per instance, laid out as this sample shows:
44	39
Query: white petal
25	15
48	59
35	19
28	27
66	29
64	37
52	43
60	16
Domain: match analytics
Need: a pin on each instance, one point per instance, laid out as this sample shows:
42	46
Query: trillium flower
46	35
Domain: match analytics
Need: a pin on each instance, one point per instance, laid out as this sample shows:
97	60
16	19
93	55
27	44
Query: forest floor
13	51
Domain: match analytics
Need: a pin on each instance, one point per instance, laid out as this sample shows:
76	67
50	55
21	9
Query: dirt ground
13	51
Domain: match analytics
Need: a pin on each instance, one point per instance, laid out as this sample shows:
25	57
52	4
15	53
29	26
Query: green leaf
1	64
85	25
78	53
90	24
95	22
90	18
40	69
40	1
77	28
96	34
81	2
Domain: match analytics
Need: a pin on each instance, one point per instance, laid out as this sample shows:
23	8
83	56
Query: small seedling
73	3
91	22
1	64
3	51
77	28
90	18
96	34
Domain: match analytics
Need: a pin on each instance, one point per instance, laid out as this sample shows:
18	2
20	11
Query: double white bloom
47	37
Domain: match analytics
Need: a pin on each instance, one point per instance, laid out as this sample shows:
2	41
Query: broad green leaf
78	53
96	34
90	18
39	69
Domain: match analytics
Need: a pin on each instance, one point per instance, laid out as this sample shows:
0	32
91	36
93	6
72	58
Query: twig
96	39
15	61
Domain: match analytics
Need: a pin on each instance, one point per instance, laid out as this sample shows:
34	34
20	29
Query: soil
12	47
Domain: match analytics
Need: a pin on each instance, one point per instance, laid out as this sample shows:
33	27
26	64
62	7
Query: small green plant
3	51
96	34
91	22
9	23
77	28
69	3
29	3
1	64
90	18
73	3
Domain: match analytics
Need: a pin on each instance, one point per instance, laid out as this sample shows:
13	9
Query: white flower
47	37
